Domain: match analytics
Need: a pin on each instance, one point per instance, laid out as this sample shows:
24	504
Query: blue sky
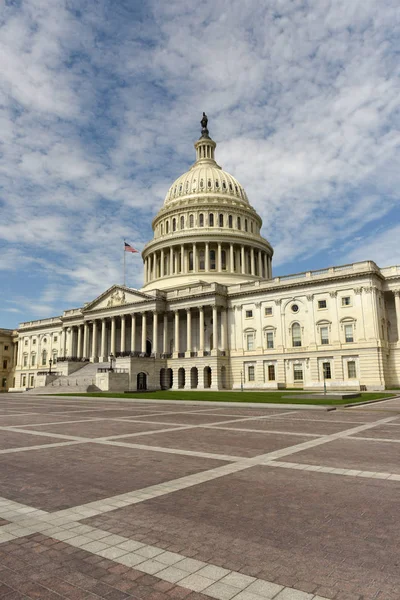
100	103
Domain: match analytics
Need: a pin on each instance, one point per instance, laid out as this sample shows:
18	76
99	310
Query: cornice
208	235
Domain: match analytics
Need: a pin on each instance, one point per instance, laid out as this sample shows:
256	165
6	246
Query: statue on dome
204	123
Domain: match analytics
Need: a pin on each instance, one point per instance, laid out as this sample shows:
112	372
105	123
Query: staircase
83	380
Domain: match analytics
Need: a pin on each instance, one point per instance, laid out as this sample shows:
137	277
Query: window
32	379
251	226
201	220
346	301
211	220
250	341
245	225
173	224
268	311
212	260
182	222
221	220
201	260
230	221
348	333
223	260
33	360
5	347
295	308
326	370
25	363
321	303
34	342
167	227
296	334
55	356
191	220
251	373
55	338
270	339
297	372
26	342
4	382
44	357
249	314
239	225
190	261
271	372
4	364
351	369
161	229
324	335
23	380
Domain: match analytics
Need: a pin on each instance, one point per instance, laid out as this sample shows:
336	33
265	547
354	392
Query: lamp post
50	363
112	358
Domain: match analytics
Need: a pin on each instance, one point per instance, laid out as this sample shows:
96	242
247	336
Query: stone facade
7	361
212	316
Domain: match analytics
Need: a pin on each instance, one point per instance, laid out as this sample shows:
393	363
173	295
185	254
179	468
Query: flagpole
124	261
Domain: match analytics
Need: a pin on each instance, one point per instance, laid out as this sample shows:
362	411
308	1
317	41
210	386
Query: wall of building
6	359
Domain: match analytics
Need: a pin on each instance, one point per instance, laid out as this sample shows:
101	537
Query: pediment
117	295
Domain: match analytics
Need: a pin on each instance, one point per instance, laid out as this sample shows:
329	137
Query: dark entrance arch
170	378
194	377
141	381
148	348
163	379
181	378
207	377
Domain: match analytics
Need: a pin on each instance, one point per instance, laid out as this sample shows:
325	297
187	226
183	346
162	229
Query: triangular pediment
117	295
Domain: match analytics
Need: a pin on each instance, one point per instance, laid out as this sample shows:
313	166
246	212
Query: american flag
129	248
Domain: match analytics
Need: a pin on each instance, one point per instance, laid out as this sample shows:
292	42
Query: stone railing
72	359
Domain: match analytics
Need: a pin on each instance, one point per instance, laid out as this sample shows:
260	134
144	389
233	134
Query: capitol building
211	315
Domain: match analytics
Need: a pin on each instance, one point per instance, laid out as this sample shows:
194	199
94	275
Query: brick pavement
159	501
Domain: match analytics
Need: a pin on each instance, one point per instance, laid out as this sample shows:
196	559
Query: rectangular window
271	372
250	341
351	369
211	220
249	314
26	342
346	301
251	373
4	364
297	372
33	342
3	382
321	303
270	339
25	361
348	333
268	311
33	360
5	347
326	368
23	380
55	338
31	381
324	335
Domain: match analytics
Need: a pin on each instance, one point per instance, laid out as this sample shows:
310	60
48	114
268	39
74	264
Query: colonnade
207	257
97	339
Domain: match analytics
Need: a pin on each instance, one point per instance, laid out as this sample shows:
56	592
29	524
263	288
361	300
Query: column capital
188	310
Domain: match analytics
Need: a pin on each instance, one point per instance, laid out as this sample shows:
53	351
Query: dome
205	177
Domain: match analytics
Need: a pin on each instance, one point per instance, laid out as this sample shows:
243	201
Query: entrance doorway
141	381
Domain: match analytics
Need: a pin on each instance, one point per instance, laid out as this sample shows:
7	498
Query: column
71	345
162	264
219	259
103	346
259	263
123	327
171	261
266	270
195	266
231	259
144	333
182	262
188	332
176	336
133	333
215	330
242	257
112	349
85	340
201	325
79	348
224	329
154	265
155	332
397	305
207	257
252	262
94	342
165	334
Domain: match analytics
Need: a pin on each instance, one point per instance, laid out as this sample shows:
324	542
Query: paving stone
264	588
195	582
221	591
288	594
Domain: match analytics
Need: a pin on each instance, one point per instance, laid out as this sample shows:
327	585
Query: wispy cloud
99	108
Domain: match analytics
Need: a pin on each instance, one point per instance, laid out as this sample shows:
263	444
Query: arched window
173	224
191	220
221	220
201	260
296	334
251	226
201	220
44	357
33	359
239	224
245	224
230	221
55	355
182	222
211	220
190	261
212	260
162	229
166	227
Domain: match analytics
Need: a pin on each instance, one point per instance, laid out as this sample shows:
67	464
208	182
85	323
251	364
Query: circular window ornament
295	308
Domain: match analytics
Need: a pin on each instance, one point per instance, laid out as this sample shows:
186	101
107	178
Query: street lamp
50	363
112	357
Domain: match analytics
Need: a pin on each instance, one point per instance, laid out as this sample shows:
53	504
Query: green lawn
259	397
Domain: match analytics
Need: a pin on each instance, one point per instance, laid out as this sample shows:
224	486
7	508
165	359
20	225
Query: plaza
128	499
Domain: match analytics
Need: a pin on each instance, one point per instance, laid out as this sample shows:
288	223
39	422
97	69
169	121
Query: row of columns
176	260
78	336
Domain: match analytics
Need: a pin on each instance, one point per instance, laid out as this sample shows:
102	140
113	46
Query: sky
100	104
